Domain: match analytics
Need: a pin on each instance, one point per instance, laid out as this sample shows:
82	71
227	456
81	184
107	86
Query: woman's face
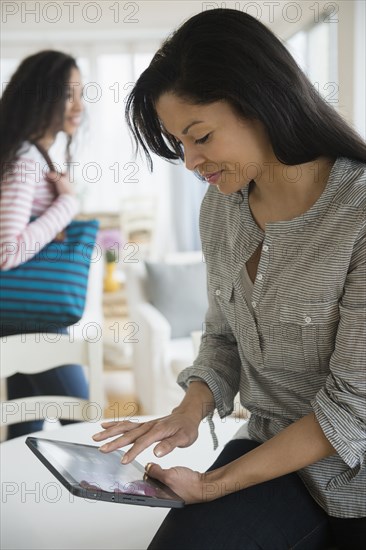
74	105
225	149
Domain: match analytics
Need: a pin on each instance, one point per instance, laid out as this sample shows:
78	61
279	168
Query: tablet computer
86	472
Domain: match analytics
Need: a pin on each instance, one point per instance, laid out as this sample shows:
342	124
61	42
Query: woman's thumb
155	471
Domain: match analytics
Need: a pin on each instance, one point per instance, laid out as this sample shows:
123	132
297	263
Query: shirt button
307	319
265	248
254	304
218	292
260	277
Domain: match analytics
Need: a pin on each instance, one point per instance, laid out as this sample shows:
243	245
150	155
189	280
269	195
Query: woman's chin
226	189
70	131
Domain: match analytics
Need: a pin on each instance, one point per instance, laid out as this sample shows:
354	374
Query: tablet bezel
99	494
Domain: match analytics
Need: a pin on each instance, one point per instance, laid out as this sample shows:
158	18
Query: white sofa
157	357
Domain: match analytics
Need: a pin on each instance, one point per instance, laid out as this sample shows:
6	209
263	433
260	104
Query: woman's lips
213	178
74	120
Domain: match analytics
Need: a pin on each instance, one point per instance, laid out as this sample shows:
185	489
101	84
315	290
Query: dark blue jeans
275	515
68	380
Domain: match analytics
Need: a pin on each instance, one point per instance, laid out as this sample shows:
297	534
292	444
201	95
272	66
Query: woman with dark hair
42	98
283	233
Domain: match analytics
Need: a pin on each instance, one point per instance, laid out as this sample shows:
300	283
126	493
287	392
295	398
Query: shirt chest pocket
308	333
222	294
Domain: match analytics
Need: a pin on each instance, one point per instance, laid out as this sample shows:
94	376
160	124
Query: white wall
79	26
358	56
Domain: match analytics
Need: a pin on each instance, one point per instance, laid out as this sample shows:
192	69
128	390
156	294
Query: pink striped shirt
24	193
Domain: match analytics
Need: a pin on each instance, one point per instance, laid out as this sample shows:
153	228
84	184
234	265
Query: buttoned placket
262	269
257	287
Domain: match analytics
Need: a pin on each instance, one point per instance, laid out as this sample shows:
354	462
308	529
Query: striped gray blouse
299	346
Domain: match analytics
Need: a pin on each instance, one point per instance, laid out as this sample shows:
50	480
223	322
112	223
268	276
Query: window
315	51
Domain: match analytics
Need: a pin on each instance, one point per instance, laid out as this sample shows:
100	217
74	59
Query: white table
38	512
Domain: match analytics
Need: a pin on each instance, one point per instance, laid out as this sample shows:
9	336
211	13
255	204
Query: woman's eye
70	94
203	139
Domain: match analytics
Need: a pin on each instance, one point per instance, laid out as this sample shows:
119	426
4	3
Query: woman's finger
141	444
116	428
52	176
126	436
168	432
111	423
147	439
126	439
168	445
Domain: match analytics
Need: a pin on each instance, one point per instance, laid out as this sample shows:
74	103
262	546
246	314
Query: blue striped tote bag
49	290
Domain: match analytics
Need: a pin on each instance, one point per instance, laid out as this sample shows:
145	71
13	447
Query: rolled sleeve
340	406
222	392
340	427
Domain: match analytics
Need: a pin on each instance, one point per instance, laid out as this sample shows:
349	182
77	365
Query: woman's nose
192	158
77	104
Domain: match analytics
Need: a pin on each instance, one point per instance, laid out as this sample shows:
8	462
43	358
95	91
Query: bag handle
60	237
45	155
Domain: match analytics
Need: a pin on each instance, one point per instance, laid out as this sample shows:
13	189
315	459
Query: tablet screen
91	469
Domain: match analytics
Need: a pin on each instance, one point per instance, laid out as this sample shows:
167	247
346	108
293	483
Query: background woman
43	97
283	233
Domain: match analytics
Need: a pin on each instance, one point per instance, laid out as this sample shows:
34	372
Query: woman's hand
61	182
186	483
176	430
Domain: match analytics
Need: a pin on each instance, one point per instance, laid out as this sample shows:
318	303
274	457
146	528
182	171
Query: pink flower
110	240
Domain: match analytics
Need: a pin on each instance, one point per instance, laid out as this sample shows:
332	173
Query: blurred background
156	215
114	41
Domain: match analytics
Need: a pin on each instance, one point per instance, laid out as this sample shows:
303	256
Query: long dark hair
33	102
226	54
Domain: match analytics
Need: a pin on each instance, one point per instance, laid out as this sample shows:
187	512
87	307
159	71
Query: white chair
157	357
138	222
32	353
